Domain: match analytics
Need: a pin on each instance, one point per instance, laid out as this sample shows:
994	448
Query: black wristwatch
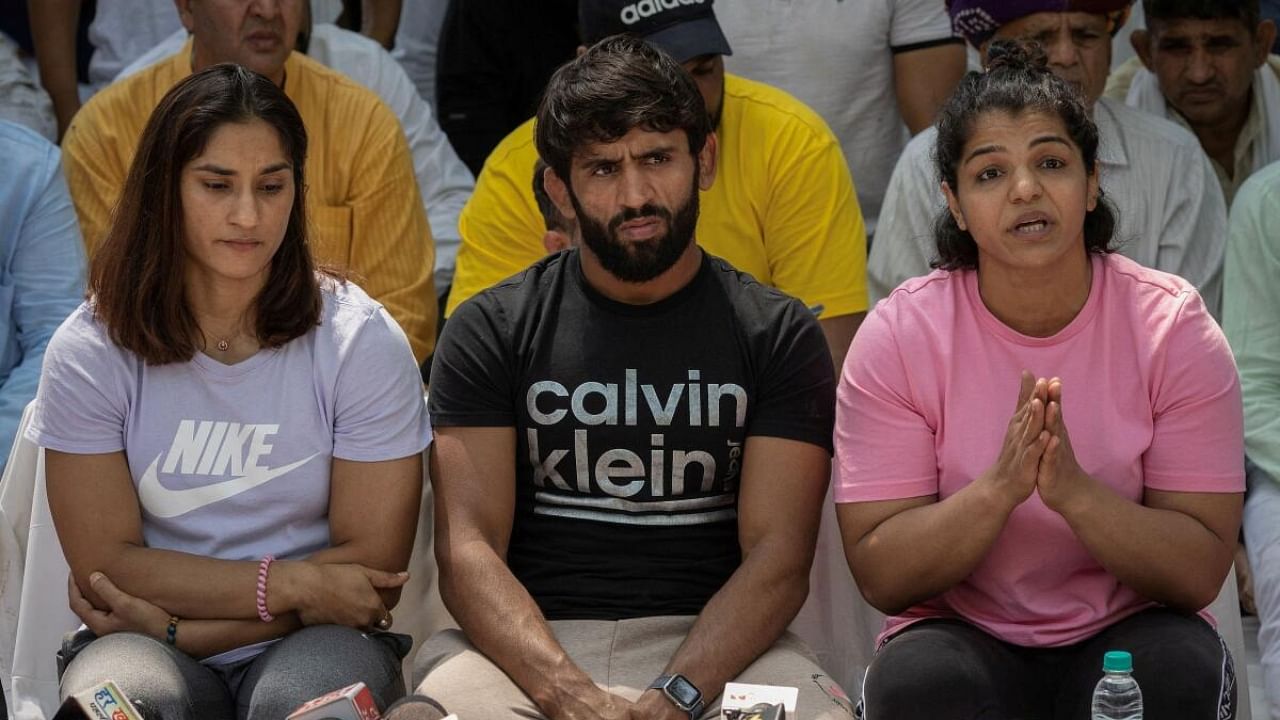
682	693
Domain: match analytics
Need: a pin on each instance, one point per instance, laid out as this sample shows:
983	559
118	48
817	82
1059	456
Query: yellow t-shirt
366	215
782	206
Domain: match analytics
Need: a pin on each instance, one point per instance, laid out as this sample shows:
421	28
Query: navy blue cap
684	29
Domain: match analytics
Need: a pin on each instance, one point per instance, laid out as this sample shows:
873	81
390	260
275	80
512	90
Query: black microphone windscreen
415	707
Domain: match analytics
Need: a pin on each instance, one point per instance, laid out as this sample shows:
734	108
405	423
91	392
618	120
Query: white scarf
1144	94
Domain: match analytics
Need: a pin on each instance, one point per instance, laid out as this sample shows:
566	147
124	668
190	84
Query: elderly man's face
1077	44
1205	67
258	34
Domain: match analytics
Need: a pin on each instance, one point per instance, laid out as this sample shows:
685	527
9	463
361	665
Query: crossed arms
353	582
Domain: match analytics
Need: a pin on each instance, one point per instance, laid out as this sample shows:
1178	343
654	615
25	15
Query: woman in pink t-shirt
1039	447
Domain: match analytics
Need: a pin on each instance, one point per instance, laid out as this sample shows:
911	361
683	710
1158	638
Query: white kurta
1259	141
418	43
122	30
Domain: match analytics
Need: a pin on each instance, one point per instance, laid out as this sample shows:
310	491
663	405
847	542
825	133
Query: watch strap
695	710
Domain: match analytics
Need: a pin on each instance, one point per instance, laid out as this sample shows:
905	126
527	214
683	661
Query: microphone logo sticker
212	449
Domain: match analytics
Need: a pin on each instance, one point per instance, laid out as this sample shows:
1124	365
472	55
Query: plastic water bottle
1117	696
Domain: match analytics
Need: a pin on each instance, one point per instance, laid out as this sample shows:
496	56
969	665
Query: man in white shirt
1203	64
418	43
876	70
21	99
444	181
1172	216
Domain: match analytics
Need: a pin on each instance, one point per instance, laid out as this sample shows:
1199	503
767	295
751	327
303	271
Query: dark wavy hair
136	278
1017	80
618	84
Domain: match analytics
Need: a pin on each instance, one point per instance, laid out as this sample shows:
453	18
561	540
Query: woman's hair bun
1016	55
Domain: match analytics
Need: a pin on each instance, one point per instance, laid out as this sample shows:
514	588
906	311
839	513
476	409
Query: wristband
263	566
171	633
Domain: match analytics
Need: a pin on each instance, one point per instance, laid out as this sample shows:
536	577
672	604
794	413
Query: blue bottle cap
1117	661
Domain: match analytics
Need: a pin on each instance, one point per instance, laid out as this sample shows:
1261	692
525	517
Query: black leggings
947	669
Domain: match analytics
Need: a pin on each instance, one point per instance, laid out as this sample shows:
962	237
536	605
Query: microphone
744	701
418	707
759	711
353	702
103	701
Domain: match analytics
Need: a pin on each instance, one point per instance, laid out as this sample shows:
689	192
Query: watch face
683	691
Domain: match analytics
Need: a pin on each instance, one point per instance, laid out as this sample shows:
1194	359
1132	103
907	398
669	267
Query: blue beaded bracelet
172	631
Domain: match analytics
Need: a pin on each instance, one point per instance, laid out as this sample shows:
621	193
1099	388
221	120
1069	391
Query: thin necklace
223	344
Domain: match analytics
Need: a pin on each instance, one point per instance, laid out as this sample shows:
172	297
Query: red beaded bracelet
264	614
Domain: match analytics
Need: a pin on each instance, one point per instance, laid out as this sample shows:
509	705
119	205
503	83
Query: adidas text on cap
684	29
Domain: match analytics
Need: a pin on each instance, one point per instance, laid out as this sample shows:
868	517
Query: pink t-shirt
1150	396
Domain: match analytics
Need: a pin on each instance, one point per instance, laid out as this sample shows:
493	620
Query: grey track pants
167	684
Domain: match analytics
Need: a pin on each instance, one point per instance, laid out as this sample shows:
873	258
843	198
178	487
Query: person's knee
466	681
140	666
1189	669
437	649
316	660
925	674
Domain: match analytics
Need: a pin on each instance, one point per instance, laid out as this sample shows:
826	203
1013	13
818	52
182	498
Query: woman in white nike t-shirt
233	439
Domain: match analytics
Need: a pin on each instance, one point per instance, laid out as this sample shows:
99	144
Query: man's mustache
648	210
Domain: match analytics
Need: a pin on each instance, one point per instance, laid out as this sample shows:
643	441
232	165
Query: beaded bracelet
171	633
264	614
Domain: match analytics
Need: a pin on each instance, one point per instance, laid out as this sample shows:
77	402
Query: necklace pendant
223	345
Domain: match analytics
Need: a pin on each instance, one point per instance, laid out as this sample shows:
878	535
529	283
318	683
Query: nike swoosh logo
160	501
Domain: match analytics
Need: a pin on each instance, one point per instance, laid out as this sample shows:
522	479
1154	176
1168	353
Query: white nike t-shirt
233	461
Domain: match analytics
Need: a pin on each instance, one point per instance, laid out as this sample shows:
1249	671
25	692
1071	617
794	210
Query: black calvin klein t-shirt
630	425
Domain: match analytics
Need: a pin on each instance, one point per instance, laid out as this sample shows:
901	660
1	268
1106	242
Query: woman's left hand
1059	479
124	613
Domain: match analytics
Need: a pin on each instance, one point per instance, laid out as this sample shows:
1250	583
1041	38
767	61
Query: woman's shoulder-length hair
137	279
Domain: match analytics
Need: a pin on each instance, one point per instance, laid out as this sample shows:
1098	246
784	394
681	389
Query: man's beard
640	261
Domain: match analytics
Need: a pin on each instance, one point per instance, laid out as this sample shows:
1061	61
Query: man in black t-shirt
633	439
